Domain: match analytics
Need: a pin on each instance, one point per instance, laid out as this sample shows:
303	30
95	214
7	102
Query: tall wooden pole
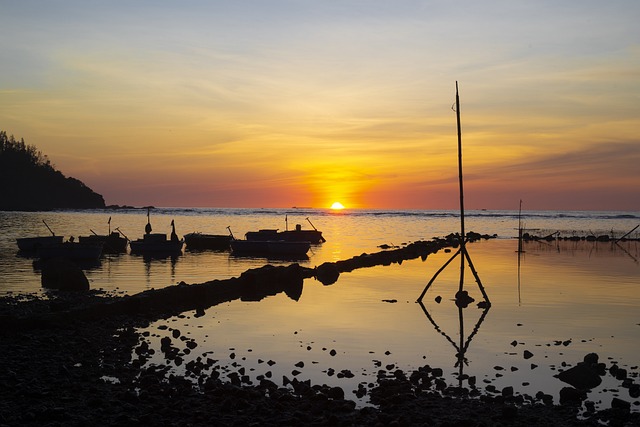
462	233
464	255
460	168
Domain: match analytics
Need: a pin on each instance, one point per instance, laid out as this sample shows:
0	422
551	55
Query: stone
64	275
581	376
572	396
327	273
620	404
463	299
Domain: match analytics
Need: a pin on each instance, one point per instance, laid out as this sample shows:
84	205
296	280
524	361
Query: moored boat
156	243
275	248
71	250
249	247
112	243
200	241
283	247
296	235
31	244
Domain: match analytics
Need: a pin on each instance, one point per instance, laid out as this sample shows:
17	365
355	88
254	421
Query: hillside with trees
29	182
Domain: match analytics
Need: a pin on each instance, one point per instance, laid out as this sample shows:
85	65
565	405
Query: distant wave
374	213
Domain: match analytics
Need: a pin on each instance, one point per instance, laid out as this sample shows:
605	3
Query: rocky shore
79	359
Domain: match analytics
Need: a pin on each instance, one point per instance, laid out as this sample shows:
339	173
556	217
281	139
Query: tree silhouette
28	181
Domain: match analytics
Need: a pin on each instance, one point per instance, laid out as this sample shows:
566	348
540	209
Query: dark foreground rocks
87	372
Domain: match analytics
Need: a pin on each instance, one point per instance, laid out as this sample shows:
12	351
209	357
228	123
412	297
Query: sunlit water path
558	301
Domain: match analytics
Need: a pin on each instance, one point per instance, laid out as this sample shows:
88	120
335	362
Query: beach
359	351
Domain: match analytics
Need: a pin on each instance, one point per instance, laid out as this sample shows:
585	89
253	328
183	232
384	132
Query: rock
572	396
623	405
591	358
463	299
581	376
528	354
336	393
327	273
507	391
634	390
64	275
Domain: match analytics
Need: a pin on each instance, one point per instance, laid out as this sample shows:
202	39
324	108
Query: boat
71	250
283	247
276	248
249	247
31	244
113	243
156	243
199	241
297	235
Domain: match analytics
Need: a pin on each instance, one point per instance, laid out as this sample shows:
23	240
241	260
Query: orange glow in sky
286	104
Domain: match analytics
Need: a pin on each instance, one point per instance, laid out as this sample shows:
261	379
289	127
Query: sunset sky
279	103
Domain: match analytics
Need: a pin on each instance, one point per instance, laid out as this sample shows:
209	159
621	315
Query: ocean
550	305
348	233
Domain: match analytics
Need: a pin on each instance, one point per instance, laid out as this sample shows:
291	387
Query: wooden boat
283	247
297	235
249	246
71	250
199	241
156	243
113	243
275	248
31	244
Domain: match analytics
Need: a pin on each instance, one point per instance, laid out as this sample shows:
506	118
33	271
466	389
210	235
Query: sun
337	206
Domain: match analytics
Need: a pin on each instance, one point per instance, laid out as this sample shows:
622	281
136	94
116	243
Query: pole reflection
462	345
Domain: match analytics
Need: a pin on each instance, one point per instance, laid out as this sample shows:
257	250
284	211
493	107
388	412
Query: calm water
559	301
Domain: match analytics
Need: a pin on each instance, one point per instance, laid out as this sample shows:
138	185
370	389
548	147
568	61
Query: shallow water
558	300
348	233
559	305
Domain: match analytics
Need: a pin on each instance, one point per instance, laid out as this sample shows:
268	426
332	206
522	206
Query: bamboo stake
632	230
463	249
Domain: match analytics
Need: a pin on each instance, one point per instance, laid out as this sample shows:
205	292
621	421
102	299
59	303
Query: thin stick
520	228
462	233
436	275
50	230
634	228
475	274
120	231
314	227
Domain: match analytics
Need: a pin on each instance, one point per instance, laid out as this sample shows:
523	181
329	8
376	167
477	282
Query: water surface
558	300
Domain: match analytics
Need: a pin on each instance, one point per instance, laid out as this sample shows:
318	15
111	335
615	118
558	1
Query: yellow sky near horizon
278	104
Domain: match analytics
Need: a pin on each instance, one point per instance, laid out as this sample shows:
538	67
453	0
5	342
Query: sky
281	103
